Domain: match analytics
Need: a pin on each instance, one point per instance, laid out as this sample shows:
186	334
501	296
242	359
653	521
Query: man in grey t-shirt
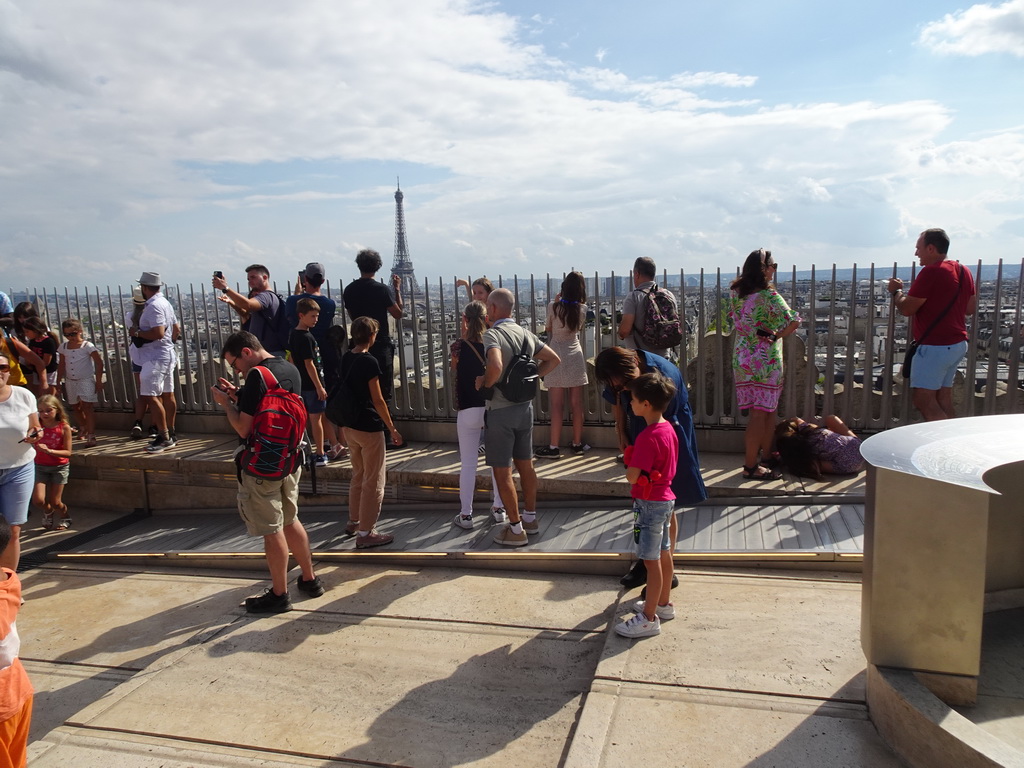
508	437
634	306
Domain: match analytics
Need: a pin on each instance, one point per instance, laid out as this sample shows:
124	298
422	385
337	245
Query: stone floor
434	667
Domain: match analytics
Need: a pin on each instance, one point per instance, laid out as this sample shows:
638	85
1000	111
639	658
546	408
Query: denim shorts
53	474
313	403
651	520
16	486
935	366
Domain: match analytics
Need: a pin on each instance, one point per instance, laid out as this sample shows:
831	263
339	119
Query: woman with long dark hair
761	319
567	315
467	364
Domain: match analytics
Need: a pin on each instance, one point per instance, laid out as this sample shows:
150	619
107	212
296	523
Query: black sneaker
547	452
153	431
313	588
136	433
159	444
636	576
268	602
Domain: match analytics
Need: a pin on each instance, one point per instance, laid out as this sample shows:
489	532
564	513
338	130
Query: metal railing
844	359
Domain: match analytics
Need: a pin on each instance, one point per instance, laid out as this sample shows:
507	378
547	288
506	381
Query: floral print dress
757	361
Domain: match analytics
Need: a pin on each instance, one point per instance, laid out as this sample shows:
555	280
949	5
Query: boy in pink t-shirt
650	468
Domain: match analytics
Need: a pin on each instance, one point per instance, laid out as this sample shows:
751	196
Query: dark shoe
675	583
313	588
268	602
637	576
373	539
136	433
351	527
579	448
759	473
159	444
153	432
547	452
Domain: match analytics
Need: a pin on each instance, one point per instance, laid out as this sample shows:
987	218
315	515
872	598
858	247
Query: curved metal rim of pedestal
926	732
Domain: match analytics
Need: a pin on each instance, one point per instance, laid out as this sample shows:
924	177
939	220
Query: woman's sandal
48	521
64	523
757	472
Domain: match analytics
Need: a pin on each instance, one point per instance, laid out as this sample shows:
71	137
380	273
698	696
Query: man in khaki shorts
268	507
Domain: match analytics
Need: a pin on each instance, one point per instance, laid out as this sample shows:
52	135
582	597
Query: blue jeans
16	486
651	520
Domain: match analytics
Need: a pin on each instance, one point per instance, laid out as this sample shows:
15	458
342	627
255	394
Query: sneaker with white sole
664	612
159	444
136	433
464	521
579	448
639	626
321	460
547	452
532	527
506	538
499	515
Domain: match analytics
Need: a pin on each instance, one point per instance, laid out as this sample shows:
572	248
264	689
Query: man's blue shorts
935	366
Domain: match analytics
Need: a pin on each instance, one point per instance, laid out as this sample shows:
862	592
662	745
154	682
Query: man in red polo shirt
940	298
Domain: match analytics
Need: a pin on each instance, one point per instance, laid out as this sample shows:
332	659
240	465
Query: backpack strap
269	380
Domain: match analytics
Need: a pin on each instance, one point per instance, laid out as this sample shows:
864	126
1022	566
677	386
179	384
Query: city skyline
530	138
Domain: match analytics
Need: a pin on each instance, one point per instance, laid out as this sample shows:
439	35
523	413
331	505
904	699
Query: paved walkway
437	667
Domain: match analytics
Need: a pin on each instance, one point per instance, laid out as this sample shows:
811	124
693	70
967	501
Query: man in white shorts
154	338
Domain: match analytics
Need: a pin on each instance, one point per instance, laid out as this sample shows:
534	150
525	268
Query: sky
529	137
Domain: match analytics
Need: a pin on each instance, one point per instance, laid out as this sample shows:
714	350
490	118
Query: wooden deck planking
749	528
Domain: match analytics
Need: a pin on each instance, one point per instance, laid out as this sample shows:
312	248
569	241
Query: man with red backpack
270	417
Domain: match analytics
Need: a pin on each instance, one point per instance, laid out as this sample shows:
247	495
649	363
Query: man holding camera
155	339
262	311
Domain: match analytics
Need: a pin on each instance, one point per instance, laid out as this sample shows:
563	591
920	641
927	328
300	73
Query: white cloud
601	53
981	29
272	133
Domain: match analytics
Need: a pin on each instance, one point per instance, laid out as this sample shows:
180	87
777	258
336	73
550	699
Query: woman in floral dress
761	319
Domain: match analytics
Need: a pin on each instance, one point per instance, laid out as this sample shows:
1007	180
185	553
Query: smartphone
766	334
219	275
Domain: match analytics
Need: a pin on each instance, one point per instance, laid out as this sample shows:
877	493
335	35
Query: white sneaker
464	521
639	626
663	612
499	515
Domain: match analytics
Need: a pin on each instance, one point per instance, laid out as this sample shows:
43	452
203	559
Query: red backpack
273	449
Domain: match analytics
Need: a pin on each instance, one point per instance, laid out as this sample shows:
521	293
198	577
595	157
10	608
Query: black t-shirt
303	347
358	369
368	297
253	390
45	346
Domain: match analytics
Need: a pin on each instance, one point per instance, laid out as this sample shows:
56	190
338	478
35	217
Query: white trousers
470	427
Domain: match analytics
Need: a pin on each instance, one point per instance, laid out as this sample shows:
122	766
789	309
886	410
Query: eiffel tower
403	263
